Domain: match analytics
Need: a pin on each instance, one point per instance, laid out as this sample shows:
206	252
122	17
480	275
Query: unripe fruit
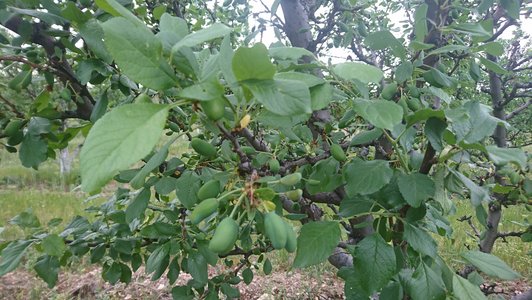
274	165
214	109
291	179
414	104
210	189
389	91
203	210
291	238
224	237
203	148
514	177
13	126
275	230
338	153
294	195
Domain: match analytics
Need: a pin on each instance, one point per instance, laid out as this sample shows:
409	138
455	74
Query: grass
514	252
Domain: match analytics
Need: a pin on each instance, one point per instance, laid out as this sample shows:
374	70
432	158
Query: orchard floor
87	284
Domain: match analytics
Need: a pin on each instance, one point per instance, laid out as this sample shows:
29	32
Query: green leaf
416	188
420	22
473	29
420	240
512	7
434	130
116	9
492	66
465	290
404	71
289	53
320	96
201	36
358	71
138	205
366	136
26	219
197	267
493	48
138	53
247	275
385	39
47	267
12	254
426	284
478	194
117	140
187	188
112	273
355	205
44	16
381	113
316	241
503	156
282	97
366	177
448	48
490	264
53	245
375	259
171	30
157	257
92	33
253	63
437	78
33	151
154	162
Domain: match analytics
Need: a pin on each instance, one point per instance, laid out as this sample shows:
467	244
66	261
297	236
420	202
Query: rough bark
495	211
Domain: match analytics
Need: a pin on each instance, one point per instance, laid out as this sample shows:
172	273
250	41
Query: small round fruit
389	91
294	195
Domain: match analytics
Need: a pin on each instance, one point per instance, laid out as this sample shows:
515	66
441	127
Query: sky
338	55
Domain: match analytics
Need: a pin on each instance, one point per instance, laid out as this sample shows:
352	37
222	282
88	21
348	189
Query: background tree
366	154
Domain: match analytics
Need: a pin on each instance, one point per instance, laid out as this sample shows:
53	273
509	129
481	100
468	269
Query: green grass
514	252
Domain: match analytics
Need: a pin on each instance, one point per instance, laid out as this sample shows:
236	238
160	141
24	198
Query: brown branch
12	107
255	143
518	110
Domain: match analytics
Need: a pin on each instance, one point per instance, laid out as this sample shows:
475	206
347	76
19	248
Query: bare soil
87	284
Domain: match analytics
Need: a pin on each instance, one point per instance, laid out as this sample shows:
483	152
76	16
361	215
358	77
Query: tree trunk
495	211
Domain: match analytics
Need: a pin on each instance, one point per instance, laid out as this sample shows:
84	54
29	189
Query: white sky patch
338	55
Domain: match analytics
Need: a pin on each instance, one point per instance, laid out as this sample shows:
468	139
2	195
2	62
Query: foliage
262	123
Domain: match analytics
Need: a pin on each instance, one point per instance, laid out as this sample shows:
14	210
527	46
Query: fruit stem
237	205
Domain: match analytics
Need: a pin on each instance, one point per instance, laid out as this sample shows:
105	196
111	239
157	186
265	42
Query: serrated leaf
404	71
53	245
138	205
316	241
253	63
282	97
117	140
12	254
478	194
201	36
381	113
366	136
420	240
503	156
434	130
187	187
465	290
358	71
426	284
376	260
138	53
416	188
366	177
47	267
490	264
